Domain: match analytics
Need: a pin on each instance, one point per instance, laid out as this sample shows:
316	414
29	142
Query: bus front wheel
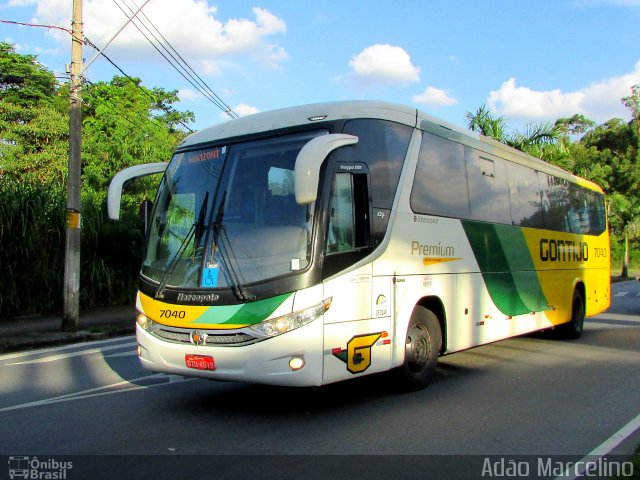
422	345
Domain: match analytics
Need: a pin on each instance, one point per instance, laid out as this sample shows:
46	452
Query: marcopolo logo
38	469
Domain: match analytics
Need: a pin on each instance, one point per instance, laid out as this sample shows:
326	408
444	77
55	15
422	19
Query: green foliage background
125	123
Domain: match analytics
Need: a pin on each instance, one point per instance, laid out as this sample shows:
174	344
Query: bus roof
324	112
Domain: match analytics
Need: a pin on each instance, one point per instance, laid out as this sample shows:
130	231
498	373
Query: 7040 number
173	314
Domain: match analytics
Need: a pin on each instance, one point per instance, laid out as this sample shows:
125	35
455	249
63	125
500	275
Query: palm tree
487	123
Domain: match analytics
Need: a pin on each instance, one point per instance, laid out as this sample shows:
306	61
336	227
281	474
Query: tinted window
440	183
555	202
586	213
524	196
488	192
382	145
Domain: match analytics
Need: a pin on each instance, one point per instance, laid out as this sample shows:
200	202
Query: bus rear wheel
422	346
573	329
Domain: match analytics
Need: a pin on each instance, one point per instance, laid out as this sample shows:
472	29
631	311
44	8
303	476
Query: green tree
127	124
33	143
33	127
485	122
632	102
624	221
23	80
574	127
535	136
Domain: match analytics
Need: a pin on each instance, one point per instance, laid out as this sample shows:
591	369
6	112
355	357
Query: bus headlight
291	321
145	322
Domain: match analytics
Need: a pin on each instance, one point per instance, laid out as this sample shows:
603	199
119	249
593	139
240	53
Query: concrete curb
28	333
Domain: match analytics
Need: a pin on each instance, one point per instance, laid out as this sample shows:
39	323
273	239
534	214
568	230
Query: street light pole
71	296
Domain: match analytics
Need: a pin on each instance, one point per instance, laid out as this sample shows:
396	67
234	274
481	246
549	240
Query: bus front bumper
267	362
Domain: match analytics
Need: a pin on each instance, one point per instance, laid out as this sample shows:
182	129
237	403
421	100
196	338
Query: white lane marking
132	353
75	346
128	385
596	455
63	356
621	294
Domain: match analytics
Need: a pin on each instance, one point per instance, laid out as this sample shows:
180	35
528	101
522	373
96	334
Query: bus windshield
226	216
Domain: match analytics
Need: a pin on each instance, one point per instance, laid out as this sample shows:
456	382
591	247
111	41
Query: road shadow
230	398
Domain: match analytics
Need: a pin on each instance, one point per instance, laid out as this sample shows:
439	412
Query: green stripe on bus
506	266
244	314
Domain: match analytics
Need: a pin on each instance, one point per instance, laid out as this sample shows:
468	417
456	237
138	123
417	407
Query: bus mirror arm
309	161
115	187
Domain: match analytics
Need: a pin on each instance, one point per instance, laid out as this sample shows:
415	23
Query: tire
422	346
573	329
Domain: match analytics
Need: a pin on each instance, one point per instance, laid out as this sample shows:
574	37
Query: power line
179	64
25	24
228	110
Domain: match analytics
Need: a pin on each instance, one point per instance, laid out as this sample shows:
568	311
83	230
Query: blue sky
530	61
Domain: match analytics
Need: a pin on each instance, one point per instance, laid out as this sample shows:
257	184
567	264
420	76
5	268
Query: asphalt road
529	396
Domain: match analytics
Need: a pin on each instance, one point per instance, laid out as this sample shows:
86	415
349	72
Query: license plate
200	362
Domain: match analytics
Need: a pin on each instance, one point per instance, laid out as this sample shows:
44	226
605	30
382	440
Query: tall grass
32	238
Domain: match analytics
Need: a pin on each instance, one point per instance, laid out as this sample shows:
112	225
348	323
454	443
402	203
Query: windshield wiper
219	246
174	261
197	225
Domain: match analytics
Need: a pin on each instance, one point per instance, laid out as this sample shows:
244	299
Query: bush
32	235
32	238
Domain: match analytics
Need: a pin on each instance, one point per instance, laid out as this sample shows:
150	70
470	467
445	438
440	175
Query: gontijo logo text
552	250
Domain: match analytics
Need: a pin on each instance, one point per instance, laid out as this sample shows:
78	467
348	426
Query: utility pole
71	297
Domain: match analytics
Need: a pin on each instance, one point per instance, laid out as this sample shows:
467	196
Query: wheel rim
418	348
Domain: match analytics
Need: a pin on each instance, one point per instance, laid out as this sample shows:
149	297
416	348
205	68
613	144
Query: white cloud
384	64
434	96
20	3
599	101
191	26
242	109
186	94
614	3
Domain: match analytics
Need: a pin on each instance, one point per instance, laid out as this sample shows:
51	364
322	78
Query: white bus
319	243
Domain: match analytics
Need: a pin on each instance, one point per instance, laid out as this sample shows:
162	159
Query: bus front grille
212	337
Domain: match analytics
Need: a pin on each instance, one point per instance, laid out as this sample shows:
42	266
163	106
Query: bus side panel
563	260
356	348
472	310
354	342
351	296
411	290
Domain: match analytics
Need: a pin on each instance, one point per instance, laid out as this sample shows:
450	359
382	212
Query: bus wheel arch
435	305
573	329
423	344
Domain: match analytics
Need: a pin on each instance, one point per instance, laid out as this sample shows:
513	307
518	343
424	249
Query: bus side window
348	227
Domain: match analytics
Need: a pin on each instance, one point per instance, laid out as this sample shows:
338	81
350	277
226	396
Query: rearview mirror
114	194
309	161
